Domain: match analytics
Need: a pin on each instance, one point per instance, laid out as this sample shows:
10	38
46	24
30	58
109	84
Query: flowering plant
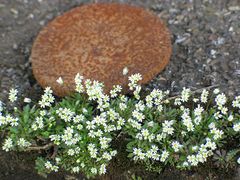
78	131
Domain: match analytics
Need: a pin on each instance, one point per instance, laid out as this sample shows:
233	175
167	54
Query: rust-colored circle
99	41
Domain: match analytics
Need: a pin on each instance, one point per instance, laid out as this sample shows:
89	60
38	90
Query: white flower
76	169
78	81
140	106
217	134
220	99
187	121
167	127
113	115
133	80
43	113
78	118
114	153
204	96
136	151
230	118
23	143
142	156
107	156
216	91
7	145
66	114
99	133
149	101
217	115
138	154
13	121
145	133
177	102
195	100
160	137
122	106
236	102
47	98
55	138
55	168
51	167
121	121
3	120
194	148
192	159
92	151
90	125
183	133
224	110
185	164
13	95
94	170
116	89
198	111
197	120
185	94
134	124
102	169
164	156
236	127
100	120
69	138
84	110
211	125
176	146
71	152
1	107
60	81
38	124
94	90
104	142
139	116
136	92
210	144
58	160
48	165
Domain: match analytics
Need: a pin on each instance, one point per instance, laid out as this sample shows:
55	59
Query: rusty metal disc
99	41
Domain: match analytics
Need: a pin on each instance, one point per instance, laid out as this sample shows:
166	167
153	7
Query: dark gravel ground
206	51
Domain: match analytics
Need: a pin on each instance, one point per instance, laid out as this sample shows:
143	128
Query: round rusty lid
105	42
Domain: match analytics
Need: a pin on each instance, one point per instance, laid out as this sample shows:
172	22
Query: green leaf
130	145
26	114
231	154
45	134
40	167
13	130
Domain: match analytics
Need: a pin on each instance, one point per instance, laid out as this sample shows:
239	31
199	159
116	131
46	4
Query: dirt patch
205	38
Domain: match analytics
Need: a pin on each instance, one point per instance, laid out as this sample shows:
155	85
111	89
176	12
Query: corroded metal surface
99	41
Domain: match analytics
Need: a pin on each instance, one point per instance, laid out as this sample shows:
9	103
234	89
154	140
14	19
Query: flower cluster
133	80
81	131
13	95
47	98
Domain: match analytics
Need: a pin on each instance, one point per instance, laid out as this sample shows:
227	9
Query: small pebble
31	16
14	11
15	46
213	53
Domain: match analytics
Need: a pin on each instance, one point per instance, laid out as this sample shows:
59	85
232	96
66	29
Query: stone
103	41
